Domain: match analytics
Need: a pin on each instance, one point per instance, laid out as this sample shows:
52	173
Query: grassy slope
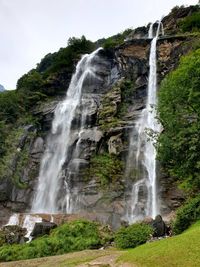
179	251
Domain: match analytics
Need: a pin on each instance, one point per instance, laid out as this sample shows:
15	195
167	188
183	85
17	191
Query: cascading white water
14	219
150	34
58	144
144	200
29	223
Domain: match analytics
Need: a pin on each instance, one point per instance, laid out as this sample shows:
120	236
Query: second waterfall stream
142	152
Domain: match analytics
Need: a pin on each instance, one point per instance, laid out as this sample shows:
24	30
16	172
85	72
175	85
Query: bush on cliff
115	40
73	236
133	235
191	23
187	215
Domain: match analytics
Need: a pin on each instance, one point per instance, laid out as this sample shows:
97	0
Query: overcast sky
29	29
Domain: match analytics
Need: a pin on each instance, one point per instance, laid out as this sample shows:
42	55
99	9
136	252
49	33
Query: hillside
106	131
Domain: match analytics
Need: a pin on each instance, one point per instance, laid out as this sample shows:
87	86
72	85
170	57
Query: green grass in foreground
179	251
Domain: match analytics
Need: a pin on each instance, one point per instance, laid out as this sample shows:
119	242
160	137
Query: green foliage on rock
54	69
107	114
133	235
65	58
11	106
14	159
187	215
72	236
116	40
107	168
179	113
127	92
191	23
114	105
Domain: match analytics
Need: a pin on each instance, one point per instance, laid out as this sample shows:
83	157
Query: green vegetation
115	104
53	65
115	40
73	236
107	168
133	235
127	92
187	215
179	251
191	23
179	113
107	115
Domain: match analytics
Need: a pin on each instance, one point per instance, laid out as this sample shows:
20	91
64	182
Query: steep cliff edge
113	105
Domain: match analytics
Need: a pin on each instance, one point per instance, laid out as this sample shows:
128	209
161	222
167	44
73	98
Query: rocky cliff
113	102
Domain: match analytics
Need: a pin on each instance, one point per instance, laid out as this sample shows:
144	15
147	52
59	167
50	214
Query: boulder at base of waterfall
42	228
12	234
159	226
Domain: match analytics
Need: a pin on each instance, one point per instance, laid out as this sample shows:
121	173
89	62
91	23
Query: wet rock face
105	74
170	49
138	33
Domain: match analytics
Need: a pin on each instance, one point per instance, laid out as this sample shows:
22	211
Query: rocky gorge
111	100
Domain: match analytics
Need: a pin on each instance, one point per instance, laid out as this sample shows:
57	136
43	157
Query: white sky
29	29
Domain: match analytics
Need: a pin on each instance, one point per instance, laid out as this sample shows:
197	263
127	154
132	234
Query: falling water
14	219
58	145
150	33
29	223
144	200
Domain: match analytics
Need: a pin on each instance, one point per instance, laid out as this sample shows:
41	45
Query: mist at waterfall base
142	152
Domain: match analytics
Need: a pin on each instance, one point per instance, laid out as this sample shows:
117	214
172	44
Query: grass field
179	251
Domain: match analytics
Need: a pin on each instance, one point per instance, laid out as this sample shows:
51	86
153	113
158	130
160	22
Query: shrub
107	168
191	23
73	236
115	40
133	235
187	215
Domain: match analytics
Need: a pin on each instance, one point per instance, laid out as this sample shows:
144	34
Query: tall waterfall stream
58	144
142	152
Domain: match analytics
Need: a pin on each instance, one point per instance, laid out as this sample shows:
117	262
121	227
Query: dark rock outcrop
42	228
159	226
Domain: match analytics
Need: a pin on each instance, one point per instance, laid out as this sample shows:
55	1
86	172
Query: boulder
160	228
115	145
42	228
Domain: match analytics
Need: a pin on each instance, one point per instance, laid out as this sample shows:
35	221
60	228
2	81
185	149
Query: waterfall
142	152
14	219
57	153
150	33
